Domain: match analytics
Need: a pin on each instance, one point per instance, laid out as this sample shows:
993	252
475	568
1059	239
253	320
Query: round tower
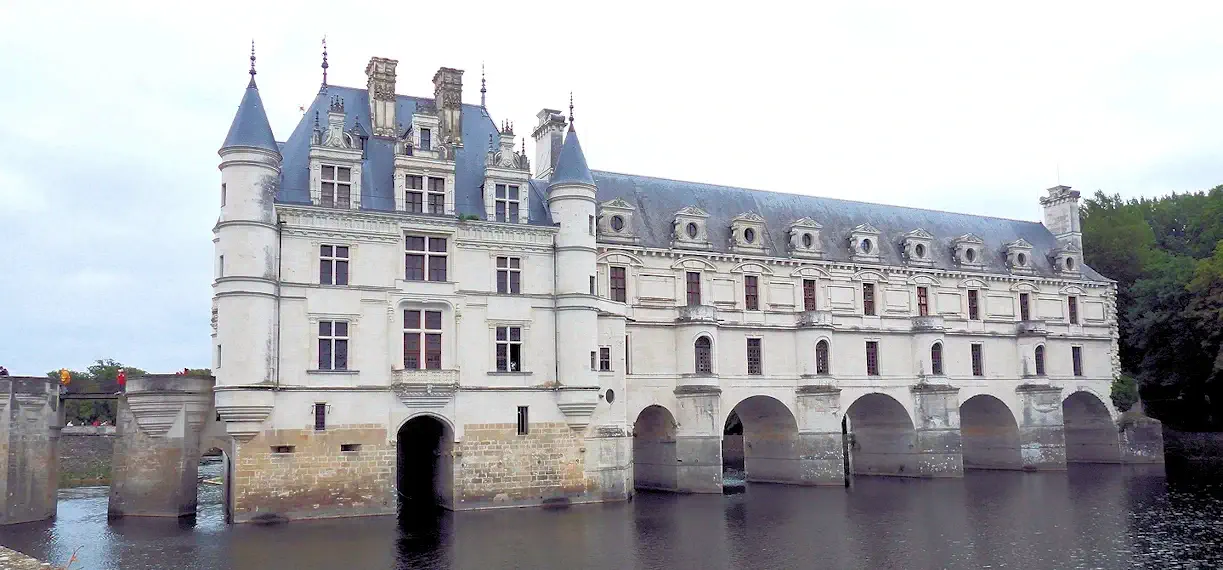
246	267
571	201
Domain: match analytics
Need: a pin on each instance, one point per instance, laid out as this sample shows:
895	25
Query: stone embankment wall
85	455
1193	446
498	467
13	560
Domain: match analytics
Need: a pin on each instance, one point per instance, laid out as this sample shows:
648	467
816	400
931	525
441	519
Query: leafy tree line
1166	255
100	377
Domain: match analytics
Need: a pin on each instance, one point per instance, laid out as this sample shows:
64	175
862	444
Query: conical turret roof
571	164
250	127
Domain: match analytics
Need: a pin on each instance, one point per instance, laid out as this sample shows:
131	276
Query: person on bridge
3	371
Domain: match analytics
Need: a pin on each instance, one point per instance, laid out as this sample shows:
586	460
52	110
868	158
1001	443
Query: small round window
920	250
808	240
610	395
749	235
1070	263
970	254
867	246
692	230
1022	259
617	223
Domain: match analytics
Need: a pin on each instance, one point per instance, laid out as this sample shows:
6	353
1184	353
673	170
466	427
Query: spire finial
483	88
571	108
325	66
252	63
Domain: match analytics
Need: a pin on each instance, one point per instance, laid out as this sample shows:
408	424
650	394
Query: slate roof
250	127
657	200
571	164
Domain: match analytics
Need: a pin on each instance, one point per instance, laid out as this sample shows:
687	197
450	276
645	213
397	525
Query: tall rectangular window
425	258
628	351
509	349
604	358
592	284
1072	305
415	197
694	288
594	359
755	364
1076	354
978	364
220	266
872	358
619	284
333	265
1025	313
333	345
523	426
336	186
506	200
868	298
222	194
509	275
426	139
808	294
923	301
422	339
973	308
751	292
590	221
320	416
437	195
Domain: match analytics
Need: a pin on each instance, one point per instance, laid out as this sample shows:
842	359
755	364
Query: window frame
974	305
923	301
332	339
936	359
422	333
872	358
809	295
1025	306
330	263
1038	355
1072	309
868	300
751	293
605	359
509	275
320	416
977	356
335	183
508	362
524	423
435	198
617	285
823	360
691	279
427	255
505	208
755	356
1076	360
703	355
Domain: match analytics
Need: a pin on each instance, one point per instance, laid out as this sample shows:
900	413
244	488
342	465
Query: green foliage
1166	255
1124	392
100	377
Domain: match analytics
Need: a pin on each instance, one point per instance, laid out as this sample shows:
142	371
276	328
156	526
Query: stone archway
654	458
769	434
1091	433
990	434
880	437
425	464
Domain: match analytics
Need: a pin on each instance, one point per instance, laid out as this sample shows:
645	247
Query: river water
1089	517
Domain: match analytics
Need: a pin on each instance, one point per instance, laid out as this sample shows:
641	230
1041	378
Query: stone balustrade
928	323
815	319
698	313
1031	328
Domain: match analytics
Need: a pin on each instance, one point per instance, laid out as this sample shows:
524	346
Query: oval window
866	246
920	250
692	229
1070	263
617	223
749	235
970	254
610	395
1022	259
808	240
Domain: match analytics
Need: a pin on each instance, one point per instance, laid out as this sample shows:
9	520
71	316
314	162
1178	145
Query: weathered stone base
1142	439
939	453
1042	448
809	459
152	476
29	438
698	464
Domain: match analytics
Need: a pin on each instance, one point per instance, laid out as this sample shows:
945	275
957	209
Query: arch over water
767	440
425	463
654	458
1091	433
990	434
880	438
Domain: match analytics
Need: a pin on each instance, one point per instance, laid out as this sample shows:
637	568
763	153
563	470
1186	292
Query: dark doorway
425	464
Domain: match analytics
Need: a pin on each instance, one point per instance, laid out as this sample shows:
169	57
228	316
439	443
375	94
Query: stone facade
30	417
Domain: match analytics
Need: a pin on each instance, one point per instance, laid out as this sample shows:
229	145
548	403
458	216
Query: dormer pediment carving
1067	260
805	238
616	220
747	233
918	248
688	229
864	243
1019	256
969	251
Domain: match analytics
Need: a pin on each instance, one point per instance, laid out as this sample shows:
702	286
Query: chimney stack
549	135
380	82
448	97
1062	216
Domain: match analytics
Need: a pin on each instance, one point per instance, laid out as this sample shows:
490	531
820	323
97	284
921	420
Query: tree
100	377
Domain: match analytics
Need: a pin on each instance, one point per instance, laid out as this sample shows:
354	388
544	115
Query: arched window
704	361
1040	360
821	357
936	359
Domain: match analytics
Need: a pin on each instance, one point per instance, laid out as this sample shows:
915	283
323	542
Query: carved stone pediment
616	220
1019	256
747	233
864	243
688	230
805	238
918	248
969	251
1067	260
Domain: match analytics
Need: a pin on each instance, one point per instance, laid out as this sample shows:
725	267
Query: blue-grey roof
378	168
571	164
657	200
250	127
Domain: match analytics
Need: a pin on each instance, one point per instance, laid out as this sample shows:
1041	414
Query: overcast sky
111	116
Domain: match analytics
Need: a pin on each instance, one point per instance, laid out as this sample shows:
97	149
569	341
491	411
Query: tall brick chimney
448	97
549	135
380	82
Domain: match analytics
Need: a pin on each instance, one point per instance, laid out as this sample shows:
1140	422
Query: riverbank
1196	447
13	560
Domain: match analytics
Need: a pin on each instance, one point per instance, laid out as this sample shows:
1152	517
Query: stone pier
820	445
939	447
1042	438
30	415
157	446
698	440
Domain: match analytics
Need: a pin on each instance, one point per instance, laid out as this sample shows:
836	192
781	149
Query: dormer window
747	233
616	220
1066	260
336	186
749	236
689	230
969	251
864	243
917	248
692	230
507	203
1019	256
805	238
617	224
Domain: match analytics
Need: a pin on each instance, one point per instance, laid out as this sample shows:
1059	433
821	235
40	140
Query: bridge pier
157	445
1042	435
820	445
939	448
698	440
30	415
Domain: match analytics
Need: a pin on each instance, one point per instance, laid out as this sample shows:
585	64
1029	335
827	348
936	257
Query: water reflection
1090	517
